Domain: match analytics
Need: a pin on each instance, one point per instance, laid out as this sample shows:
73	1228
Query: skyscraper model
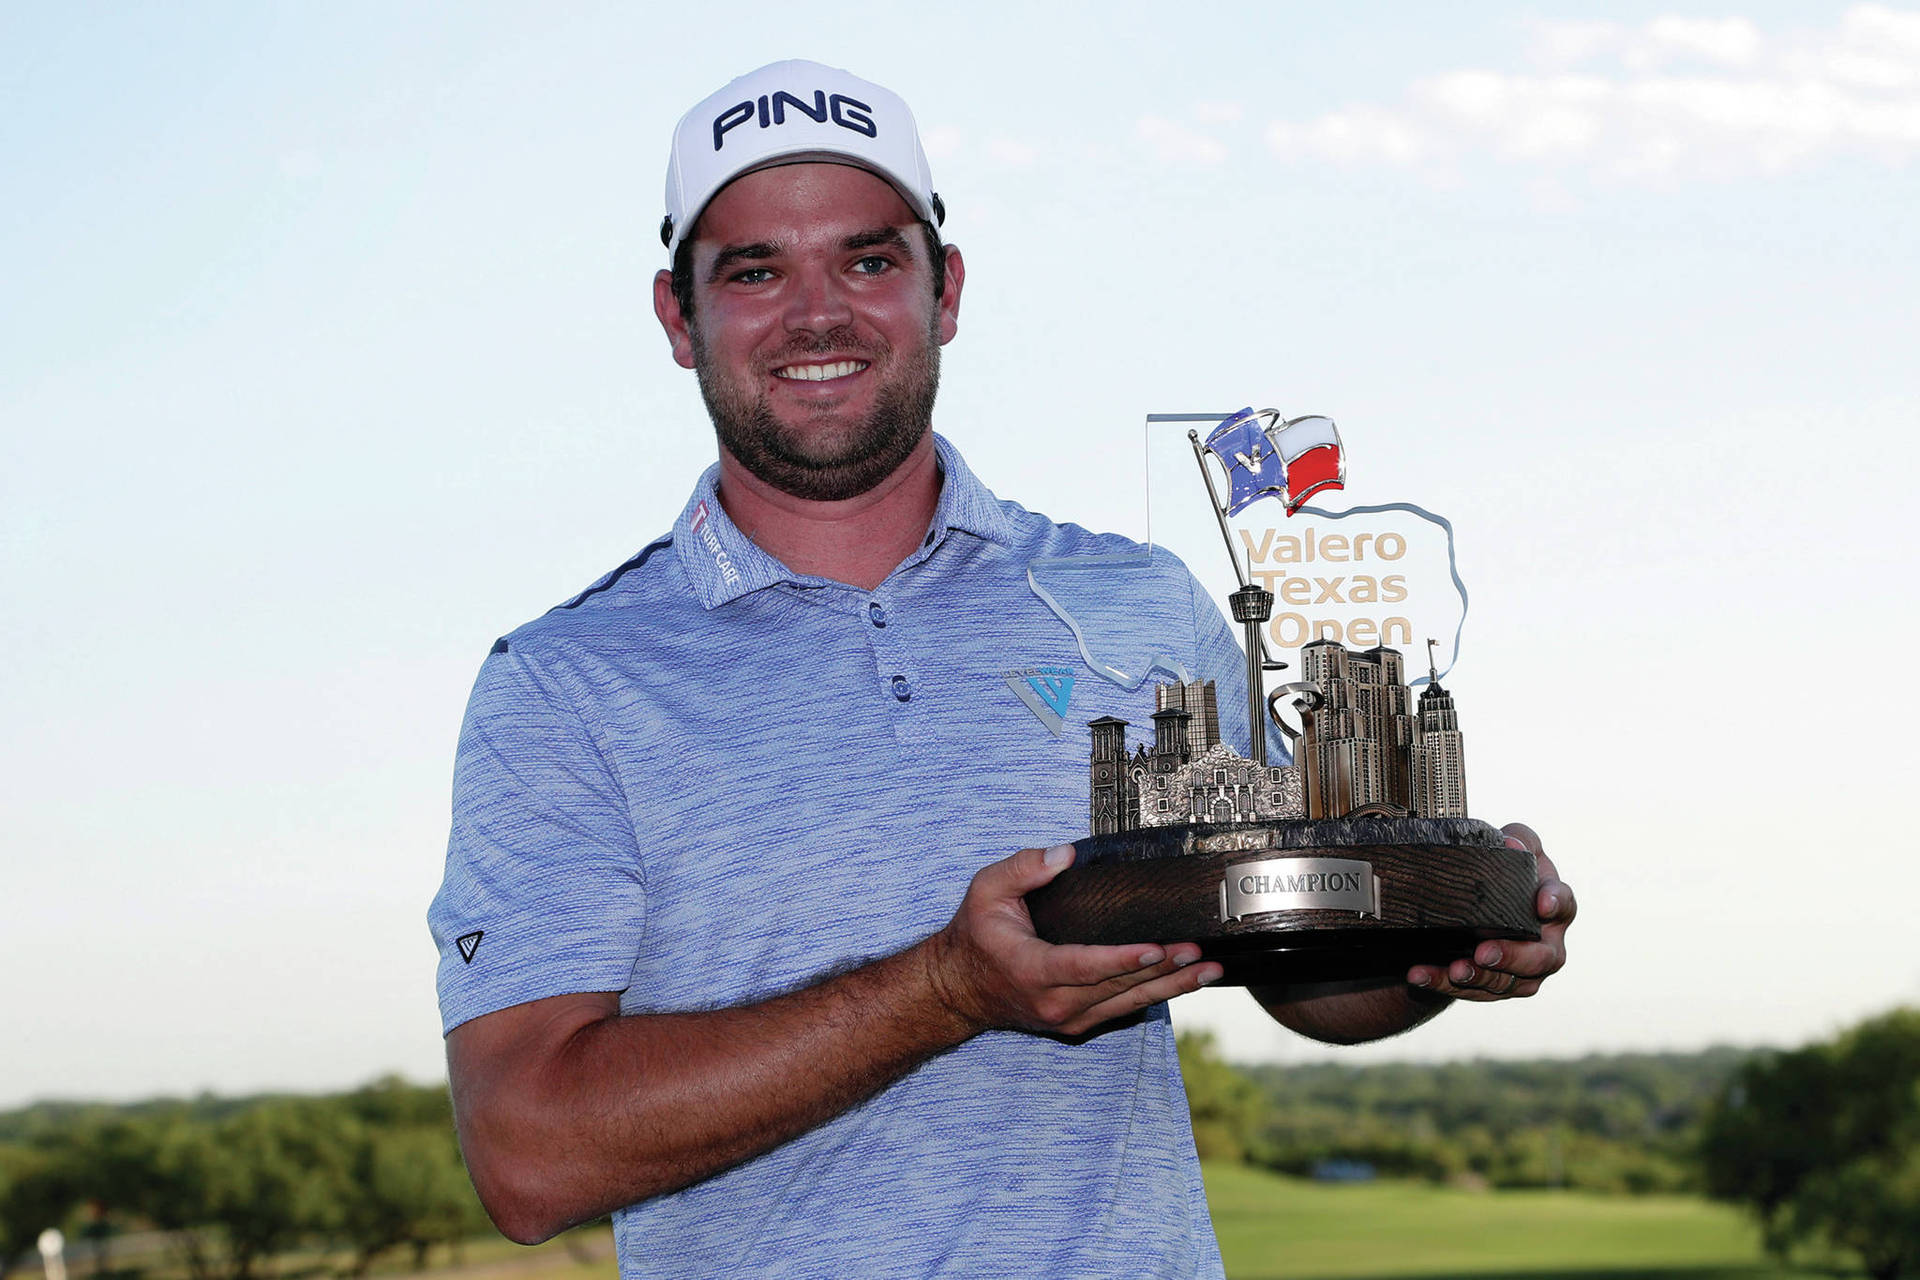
1439	757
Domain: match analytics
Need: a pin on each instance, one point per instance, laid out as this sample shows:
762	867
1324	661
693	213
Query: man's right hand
993	972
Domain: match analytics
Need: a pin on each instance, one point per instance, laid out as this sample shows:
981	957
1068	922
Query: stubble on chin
824	465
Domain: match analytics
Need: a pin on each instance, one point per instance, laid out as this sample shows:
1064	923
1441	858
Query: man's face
815	332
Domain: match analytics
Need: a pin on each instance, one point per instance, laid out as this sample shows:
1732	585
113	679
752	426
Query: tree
391	1103
1228	1109
278	1180
36	1192
231	1193
406	1186
1823	1144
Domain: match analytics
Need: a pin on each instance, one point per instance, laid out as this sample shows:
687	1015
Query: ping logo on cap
771	109
760	120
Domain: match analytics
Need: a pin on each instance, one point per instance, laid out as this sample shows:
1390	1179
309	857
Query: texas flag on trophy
1290	460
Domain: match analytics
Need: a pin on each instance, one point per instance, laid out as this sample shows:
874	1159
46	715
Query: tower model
1439	757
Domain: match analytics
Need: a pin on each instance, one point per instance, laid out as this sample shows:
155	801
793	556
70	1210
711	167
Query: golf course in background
1272	1228
1278	1228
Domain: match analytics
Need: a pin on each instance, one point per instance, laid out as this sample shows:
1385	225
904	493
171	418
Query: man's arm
1348	1013
567	1110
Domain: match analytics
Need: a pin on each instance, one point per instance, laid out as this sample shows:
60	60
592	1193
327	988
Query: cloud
948	142
301	166
1361	134
1673	97
1013	153
1177	144
1218	112
1733	42
942	142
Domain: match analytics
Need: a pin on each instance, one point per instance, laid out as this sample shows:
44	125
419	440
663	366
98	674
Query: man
729	944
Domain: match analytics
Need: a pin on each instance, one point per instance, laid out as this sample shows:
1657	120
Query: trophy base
1297	900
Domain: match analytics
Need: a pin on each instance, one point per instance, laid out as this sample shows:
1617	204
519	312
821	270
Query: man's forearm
567	1110
586	1111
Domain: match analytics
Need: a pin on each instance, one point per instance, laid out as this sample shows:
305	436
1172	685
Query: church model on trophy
1361	752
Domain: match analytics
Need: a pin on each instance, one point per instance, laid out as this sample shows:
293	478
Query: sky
326	357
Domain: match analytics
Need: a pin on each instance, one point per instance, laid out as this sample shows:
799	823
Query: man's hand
1502	970
992	971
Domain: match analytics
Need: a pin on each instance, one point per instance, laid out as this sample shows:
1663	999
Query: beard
826	463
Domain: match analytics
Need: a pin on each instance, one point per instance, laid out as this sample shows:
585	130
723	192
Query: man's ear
956	275
667	308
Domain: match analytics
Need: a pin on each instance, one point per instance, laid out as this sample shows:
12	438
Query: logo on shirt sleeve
1045	691
468	944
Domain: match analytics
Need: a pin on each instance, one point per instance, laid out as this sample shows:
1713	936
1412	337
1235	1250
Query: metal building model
1362	751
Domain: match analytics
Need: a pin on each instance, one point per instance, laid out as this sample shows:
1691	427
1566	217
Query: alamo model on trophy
1353	860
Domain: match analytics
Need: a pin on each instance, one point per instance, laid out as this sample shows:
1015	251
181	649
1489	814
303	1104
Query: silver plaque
1299	884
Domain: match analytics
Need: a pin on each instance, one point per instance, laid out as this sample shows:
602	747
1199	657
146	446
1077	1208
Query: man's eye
752	275
873	264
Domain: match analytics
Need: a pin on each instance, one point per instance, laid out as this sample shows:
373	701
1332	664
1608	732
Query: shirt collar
966	504
723	564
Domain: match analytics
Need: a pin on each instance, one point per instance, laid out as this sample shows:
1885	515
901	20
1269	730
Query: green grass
1274	1228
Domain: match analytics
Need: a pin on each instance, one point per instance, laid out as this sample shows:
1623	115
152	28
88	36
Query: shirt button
878	614
901	689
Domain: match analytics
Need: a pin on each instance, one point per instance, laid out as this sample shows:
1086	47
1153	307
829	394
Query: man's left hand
1501	970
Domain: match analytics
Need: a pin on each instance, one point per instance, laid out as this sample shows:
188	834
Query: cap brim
804	155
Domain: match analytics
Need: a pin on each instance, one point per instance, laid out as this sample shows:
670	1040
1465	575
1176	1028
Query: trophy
1353	859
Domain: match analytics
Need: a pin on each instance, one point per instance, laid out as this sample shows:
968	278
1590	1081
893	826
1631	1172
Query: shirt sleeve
544	891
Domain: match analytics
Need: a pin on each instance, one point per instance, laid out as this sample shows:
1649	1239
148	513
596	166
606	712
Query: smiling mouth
819	372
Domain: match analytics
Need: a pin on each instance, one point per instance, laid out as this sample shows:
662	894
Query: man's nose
817	303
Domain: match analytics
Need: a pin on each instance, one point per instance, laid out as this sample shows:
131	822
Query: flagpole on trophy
1219	511
1251	606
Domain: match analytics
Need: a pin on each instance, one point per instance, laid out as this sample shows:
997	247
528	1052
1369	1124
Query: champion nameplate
1299	884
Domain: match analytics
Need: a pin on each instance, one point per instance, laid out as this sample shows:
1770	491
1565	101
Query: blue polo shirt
708	780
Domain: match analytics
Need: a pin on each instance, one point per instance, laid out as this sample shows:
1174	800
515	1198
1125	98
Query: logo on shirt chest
1045	691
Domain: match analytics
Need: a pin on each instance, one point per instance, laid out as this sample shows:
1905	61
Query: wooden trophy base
1297	900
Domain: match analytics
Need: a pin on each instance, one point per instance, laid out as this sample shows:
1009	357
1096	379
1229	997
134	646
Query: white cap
793	113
